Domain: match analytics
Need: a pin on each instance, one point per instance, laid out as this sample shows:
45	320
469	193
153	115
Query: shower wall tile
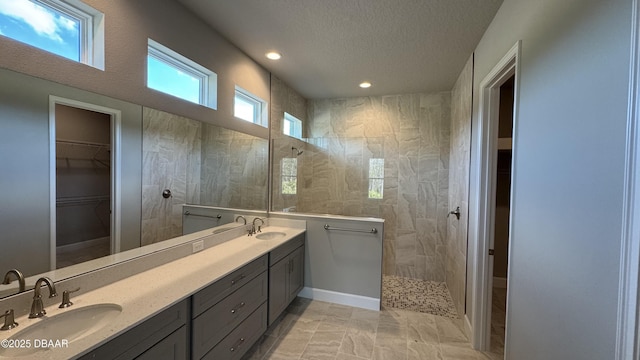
201	164
411	133
168	160
457	163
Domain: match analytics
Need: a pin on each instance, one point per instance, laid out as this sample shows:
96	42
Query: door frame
484	181
116	154
628	322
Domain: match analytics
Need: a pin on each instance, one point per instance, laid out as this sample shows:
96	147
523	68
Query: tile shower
411	133
201	164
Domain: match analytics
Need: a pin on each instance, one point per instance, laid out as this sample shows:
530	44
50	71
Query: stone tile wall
201	164
455	264
234	169
170	160
411	133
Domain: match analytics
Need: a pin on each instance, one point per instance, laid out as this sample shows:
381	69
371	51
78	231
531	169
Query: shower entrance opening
84	185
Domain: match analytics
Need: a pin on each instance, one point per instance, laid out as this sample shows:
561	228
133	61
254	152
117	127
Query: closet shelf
83	143
81	200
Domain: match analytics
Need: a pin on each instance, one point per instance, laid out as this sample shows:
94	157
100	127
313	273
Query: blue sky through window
166	78
40	26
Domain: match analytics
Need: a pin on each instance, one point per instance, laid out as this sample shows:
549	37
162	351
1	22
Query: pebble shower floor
430	297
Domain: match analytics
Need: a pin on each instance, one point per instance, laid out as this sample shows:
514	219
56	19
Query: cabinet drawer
173	347
285	249
142	337
242	338
212	294
214	324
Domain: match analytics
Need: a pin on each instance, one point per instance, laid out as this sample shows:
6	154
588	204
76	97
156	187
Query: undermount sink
270	235
70	325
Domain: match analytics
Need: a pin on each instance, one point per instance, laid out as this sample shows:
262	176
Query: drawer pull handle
236	280
234	310
237	345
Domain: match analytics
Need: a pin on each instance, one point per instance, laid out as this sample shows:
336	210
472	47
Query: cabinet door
173	347
144	336
296	273
278	291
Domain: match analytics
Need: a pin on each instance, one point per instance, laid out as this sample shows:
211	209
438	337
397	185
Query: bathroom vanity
214	304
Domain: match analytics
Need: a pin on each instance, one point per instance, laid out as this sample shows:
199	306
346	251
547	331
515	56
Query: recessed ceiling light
273	55
365	84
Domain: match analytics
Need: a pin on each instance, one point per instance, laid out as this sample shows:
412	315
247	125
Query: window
292	126
249	107
376	178
68	28
174	74
289	176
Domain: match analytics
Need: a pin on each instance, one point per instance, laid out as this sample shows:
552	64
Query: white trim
116	170
499	282
627	342
260	107
481	230
359	301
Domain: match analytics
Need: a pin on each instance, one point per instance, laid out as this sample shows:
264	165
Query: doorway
492	199
501	219
84	182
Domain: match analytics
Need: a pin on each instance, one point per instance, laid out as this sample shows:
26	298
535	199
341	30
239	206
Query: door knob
455	212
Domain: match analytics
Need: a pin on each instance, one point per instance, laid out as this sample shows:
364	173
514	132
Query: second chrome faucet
37	308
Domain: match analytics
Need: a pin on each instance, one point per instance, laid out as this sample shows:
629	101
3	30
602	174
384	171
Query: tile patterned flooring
315	330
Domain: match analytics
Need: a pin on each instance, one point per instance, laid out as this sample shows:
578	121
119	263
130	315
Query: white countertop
146	294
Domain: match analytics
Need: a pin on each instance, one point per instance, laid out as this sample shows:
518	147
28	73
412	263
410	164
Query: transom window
67	28
292	126
249	107
176	75
376	178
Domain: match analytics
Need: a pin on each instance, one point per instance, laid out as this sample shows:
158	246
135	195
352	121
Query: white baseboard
499	282
341	298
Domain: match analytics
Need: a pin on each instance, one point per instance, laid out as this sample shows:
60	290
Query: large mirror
74	192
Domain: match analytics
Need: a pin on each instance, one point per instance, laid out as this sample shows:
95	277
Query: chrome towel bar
372	231
188	213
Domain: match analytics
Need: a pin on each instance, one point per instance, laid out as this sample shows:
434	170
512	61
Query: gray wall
24	155
568	175
344	262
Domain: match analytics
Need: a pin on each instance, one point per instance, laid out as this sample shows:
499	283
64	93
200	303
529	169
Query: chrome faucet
18	275
253	226
241	217
37	309
9	320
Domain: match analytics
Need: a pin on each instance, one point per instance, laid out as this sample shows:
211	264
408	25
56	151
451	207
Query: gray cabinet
230	314
221	321
163	337
286	275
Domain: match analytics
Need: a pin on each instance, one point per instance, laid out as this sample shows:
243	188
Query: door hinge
492	252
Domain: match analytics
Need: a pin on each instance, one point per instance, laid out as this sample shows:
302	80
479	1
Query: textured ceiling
330	46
